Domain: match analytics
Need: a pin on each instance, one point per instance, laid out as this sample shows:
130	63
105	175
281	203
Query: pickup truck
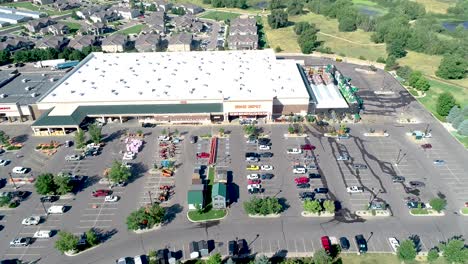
294	151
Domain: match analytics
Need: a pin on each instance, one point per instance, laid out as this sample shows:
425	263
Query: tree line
227	3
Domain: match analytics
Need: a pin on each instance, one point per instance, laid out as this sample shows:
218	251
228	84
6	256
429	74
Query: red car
101	193
426	146
325	243
301	180
307	147
254	181
203	155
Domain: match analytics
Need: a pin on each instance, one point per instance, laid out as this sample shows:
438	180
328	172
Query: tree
5	57
407	250
422	84
4	138
396	48
291	129
263	206
91	238
452	66
313	206
80	139
308	41
295	7
463	128
347	24
164	132
4	200
432	255
454	113
135	220
214	259
66	242
414	78
454	251
457	121
146	217
321	257
300	27
45	184
391	63
438	204
262	260
221	131
62	184
152	7
250	130
118	172
95	132
275	4
155	214
278	19
329	206
445	102
142	8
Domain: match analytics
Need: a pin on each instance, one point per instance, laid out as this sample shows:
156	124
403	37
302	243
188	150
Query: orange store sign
247	106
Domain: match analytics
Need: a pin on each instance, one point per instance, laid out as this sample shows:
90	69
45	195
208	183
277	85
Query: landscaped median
425	212
314	208
205	216
373	213
435	208
73	245
267	207
147	218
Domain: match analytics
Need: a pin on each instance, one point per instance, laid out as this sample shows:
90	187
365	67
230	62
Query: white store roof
153	76
328	96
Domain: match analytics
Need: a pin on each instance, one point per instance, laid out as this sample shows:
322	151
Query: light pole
151	199
43	206
398	157
12	181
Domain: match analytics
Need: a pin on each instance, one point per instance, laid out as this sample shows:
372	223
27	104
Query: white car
164	138
354	189
20	242
111	198
343	157
20	170
294	151
129	155
73	157
394	243
4	162
264	147
253	176
253	186
299	170
43	234
266	167
32	220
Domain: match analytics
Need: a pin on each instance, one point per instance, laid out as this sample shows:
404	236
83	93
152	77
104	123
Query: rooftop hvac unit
27	88
3	95
34	94
54	94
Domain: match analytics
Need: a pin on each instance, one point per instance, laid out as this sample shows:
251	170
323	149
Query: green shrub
13	204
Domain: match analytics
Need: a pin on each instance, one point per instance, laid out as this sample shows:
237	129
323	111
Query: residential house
116	43
243	33
147	43
104	16
180	42
243	21
128	13
196	196
36	25
95	29
14	43
162	5
187	23
63	5
59	29
237	29
242	42
88	12
191	8
43	2
80	42
55	42
219	196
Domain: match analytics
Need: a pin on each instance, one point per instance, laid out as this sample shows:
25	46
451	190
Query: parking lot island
321	214
373	213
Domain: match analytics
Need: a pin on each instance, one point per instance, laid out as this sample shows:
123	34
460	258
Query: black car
398	179
49	199
232	248
303	185
321	190
21	195
361	243
193	139
322	123
252	155
267	176
344	243
255	190
91	152
414	205
306	195
417	184
266	155
242	247
148	125
314	176
360	166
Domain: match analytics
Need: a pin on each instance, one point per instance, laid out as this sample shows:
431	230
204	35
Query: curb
80	252
325	214
264	216
210	220
430	213
142	231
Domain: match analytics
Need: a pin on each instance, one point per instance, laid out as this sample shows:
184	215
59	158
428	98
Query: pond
451	26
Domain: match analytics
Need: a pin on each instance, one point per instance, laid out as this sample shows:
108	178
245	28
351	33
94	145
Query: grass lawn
377	258
419	211
25	5
211	174
72	26
211	214
464	141
437	6
131	30
219	16
465	210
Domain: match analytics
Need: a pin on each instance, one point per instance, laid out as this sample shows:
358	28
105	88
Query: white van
56	209
43	234
299	169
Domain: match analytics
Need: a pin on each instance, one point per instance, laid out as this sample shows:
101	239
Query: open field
379	258
437	6
219	16
131	30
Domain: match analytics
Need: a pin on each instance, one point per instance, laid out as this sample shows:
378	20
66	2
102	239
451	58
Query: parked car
252	154
354	189
252	159
20	242
264	141
252	186
307	147
254	181
148	125
394	243
242	247
111	198
43	234
312	167
439	162
73	157
408	199
301	180
125	260
4	162
20	170
321	190
267	176
264	147
253	167
49	199
164	138
253	176
398	179
360	166
266	168
377	205
266	155
299	169
193	139
20	195
326	244
203	155
128	155
56	209
253	190
414	205
426	146
101	193
314	176
294	151
32	220
344	243
306	196
417	184
343	157
361	243
303	185
232	248
91	152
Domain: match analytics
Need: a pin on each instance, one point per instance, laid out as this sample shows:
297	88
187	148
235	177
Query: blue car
439	162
